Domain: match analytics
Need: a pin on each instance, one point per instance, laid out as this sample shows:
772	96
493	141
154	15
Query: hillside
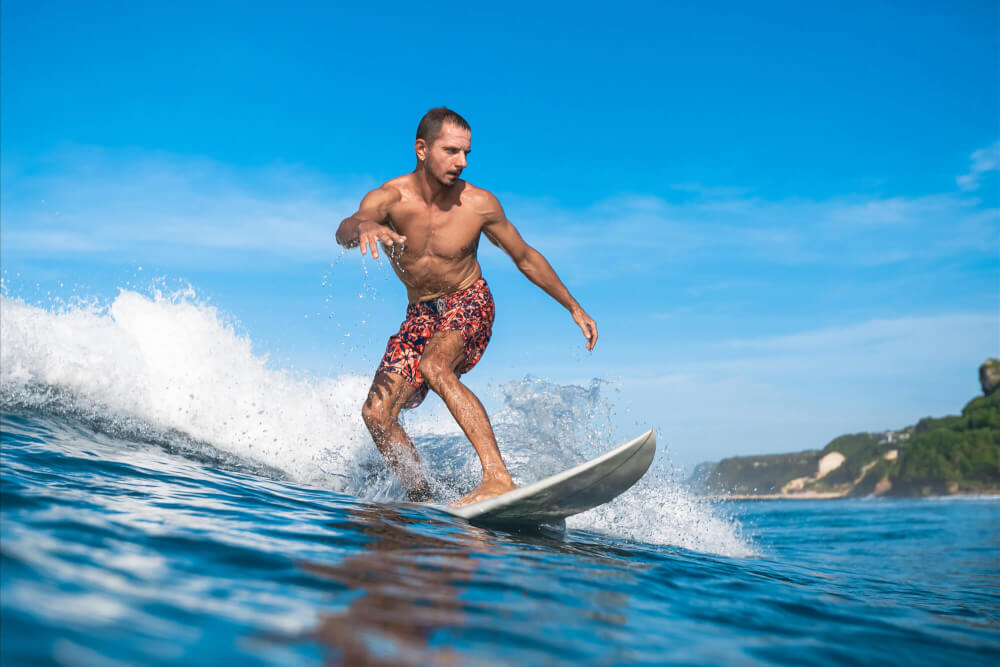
936	456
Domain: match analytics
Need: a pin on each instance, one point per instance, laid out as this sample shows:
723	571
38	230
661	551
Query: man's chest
428	230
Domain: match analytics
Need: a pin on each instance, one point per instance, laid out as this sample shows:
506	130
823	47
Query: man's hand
587	326
370	233
373	217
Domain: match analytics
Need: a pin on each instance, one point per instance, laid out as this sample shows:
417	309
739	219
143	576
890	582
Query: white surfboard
572	491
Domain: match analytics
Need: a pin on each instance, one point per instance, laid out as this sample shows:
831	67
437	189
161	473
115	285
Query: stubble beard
452	182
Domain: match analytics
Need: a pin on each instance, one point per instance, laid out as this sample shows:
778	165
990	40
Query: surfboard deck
572	491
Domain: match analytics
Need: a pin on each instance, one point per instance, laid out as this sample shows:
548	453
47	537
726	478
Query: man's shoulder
395	186
480	198
475	192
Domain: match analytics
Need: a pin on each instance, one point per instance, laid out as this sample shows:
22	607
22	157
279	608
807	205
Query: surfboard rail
569	492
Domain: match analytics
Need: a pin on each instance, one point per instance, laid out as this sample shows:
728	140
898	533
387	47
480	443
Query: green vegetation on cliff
954	454
752	475
962	452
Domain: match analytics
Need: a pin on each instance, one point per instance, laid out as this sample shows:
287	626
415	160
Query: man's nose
462	161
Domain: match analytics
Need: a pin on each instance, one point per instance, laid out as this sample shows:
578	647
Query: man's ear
421	148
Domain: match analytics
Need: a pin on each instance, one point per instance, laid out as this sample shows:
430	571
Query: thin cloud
984	160
644	234
894	338
797	391
101	202
104	203
883	347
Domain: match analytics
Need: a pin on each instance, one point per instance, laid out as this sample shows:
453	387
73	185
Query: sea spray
169	369
352	325
174	363
546	427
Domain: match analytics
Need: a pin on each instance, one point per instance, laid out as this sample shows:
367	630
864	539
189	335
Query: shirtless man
428	223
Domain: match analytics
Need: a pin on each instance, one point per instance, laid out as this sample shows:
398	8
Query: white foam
546	427
659	511
177	364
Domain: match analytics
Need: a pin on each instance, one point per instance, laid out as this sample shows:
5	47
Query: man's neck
431	189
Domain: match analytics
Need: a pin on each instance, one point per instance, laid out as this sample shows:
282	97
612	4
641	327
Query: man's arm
502	233
370	224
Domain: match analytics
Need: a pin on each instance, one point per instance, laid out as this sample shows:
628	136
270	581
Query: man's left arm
533	265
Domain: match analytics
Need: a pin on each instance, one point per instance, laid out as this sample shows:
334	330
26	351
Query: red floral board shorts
470	311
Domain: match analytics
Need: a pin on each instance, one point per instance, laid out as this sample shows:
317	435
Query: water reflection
409	583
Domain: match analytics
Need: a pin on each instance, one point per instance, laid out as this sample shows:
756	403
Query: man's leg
443	354
386	397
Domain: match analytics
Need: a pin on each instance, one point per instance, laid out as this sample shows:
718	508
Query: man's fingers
371	241
590	333
368	242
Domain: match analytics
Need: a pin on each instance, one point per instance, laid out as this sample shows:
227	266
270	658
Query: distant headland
934	457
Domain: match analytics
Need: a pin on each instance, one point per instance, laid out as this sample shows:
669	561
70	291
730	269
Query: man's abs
431	277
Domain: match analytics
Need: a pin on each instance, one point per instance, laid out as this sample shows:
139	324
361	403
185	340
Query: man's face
446	157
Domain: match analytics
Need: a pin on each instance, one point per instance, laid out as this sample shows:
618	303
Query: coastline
833	495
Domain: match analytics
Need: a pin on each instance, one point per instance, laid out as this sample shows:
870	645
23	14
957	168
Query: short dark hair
429	128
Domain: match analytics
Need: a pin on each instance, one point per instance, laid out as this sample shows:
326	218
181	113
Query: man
428	223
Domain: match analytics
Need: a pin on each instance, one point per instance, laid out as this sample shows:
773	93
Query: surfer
428	223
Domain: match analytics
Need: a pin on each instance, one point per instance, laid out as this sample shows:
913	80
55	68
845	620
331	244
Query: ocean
166	497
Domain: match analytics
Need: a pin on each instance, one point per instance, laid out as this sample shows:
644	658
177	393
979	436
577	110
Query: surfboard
572	491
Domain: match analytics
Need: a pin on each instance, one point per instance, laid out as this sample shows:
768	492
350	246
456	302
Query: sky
785	217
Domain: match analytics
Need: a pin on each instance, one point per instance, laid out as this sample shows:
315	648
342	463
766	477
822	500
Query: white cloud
95	202
101	202
983	160
798	390
877	346
643	234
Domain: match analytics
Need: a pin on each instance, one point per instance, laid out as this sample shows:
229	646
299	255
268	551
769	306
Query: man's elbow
526	262
527	257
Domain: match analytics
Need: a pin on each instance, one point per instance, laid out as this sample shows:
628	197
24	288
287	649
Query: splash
660	510
545	428
172	363
166	367
548	427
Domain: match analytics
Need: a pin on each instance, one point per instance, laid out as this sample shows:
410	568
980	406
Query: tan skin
428	223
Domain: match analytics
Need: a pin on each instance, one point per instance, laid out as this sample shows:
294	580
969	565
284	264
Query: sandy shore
832	495
805	495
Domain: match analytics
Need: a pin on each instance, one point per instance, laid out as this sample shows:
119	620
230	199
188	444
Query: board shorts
470	311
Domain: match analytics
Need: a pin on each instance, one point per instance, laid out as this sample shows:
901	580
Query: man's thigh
390	391
445	349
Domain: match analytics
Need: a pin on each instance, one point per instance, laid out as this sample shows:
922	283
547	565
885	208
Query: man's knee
376	414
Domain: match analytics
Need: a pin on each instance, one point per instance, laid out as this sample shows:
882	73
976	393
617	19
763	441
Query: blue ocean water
166	498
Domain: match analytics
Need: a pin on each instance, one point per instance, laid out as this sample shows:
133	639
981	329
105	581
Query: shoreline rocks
989	376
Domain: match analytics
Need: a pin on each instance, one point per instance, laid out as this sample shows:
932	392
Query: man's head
444	139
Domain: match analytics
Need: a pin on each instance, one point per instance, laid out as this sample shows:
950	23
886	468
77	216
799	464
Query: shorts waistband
439	301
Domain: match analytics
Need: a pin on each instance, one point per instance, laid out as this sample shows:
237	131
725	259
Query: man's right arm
370	224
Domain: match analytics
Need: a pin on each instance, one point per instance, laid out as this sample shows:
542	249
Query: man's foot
419	495
487	489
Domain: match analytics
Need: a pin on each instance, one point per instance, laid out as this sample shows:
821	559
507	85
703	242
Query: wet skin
429	223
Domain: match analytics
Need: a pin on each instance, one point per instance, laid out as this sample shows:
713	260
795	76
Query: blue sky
784	218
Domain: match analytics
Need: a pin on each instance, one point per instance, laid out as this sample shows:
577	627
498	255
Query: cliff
936	456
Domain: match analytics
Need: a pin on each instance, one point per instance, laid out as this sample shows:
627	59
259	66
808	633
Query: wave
169	369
